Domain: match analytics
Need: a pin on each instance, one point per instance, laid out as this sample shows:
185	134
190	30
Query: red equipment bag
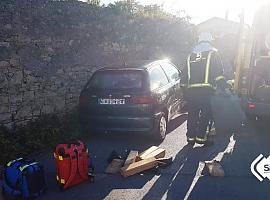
72	162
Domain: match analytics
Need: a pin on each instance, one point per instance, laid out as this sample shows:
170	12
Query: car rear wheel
161	128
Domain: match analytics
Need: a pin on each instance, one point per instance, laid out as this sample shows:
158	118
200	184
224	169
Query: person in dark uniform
204	72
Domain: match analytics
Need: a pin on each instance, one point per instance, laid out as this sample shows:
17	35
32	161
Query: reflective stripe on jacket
203	69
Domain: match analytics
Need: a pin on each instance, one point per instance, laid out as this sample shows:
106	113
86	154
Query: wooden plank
148	151
131	157
138	167
115	166
159	153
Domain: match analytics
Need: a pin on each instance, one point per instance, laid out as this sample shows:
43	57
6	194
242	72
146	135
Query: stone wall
49	49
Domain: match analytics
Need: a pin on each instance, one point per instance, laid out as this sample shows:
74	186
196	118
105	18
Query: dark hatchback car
137	97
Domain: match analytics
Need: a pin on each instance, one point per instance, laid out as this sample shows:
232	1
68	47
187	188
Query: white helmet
204	43
205	37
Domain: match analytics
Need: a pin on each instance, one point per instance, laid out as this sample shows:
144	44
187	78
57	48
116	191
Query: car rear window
116	80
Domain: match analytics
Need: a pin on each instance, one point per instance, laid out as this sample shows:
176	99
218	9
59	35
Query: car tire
161	127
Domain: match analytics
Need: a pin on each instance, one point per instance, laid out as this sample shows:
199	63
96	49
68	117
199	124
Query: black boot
205	141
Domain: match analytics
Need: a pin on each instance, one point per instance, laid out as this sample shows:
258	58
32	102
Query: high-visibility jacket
204	70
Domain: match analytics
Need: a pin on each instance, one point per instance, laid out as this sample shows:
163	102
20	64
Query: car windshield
116	80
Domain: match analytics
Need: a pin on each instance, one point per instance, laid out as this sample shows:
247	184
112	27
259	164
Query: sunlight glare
202	10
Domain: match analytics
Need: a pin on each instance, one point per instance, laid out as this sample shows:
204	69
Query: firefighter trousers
199	114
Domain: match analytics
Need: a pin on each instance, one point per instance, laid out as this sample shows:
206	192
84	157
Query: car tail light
83	100
144	100
251	106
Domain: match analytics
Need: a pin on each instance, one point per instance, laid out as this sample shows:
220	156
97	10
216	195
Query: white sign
260	167
112	101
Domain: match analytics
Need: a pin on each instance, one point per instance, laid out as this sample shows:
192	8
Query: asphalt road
184	179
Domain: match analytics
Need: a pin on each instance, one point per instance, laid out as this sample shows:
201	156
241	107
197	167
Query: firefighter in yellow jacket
203	73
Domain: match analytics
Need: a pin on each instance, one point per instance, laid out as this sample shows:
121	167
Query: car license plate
111	101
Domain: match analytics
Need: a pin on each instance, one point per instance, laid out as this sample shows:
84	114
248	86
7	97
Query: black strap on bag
35	181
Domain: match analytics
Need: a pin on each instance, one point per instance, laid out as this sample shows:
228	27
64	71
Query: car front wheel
161	128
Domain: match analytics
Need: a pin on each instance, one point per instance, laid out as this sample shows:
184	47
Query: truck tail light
251	106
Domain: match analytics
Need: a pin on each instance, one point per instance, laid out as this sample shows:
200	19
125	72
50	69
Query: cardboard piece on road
131	157
138	167
214	168
153	151
115	166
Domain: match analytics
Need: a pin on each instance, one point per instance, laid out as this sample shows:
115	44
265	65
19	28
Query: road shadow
179	181
100	189
239	182
175	182
250	143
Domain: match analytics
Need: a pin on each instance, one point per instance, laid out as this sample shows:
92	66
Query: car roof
131	65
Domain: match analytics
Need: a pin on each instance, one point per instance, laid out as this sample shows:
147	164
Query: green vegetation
39	135
94	2
132	7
